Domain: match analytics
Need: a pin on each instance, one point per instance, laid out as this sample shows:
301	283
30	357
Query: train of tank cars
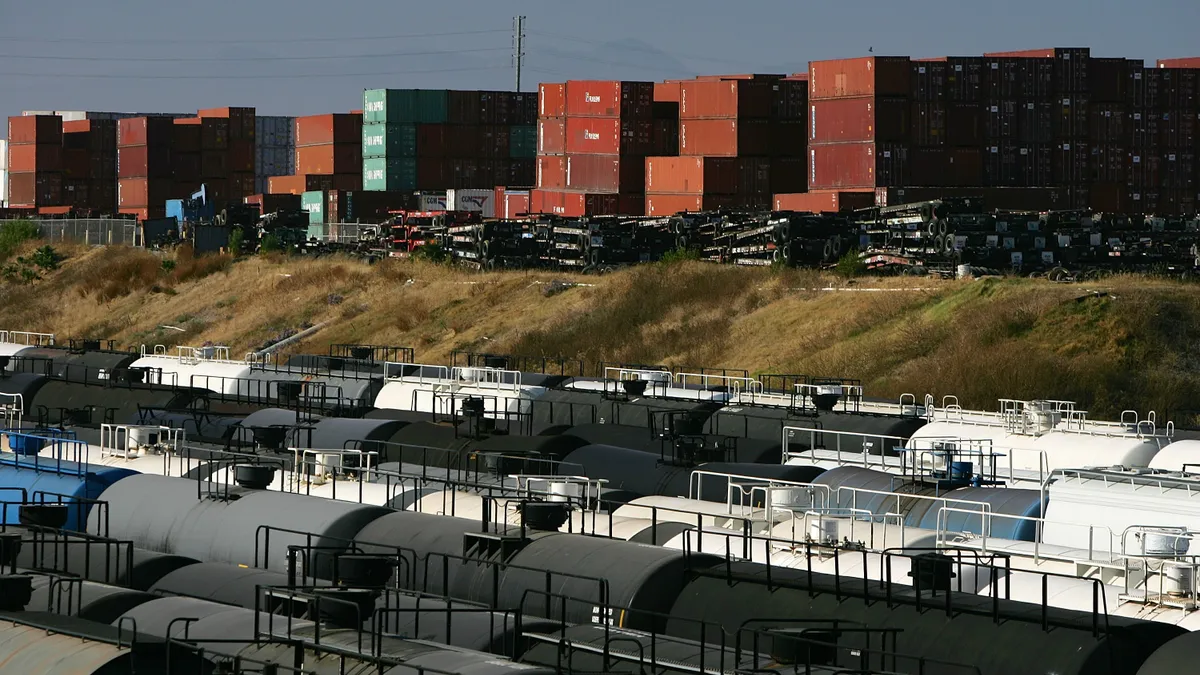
353	512
935	236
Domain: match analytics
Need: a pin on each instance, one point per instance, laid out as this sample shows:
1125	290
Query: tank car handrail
1191	487
419	368
492	378
111	433
837	435
734	384
944	535
25	337
853	516
695	485
54	463
854	492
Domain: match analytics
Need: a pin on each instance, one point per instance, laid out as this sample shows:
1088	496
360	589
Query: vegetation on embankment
1124	343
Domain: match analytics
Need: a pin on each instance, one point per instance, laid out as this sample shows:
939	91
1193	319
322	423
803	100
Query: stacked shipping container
146	165
741	139
90	165
227	144
274	150
421	139
1164	106
3	173
35	161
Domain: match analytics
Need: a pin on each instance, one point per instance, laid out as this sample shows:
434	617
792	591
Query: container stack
145	167
437	139
228	160
1165	108
742	139
3	173
90	165
607	133
330	145
274	149
187	157
35	161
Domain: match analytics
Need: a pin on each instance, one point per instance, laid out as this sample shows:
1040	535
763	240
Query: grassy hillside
1125	343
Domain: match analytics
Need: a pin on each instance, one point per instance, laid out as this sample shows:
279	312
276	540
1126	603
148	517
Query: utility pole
518	46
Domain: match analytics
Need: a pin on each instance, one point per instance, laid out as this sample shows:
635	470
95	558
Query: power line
247	41
639	48
207	59
107	76
590	59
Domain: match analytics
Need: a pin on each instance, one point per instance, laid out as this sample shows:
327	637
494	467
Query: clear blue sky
171	56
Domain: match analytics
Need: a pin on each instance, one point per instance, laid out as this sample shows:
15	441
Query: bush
850	265
680	255
46	258
236	237
432	253
14	233
270	244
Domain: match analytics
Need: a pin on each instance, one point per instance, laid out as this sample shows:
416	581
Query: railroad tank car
225	524
86	600
1175	657
101	560
218	582
1180	456
112	403
39	479
20	389
222	376
632	471
768	423
39	642
75	365
198	425
560	409
741	450
729	595
501	392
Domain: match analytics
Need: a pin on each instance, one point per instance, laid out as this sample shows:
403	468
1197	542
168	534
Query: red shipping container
824	201
1024	54
871	118
551	172
668	92
857	165
214	133
692	175
929	81
607	98
34	189
552	136
604	174
609	136
142	192
1185	62
964	124
669	204
964	79
552	100
865	76
35	129
145	161
326	129
728	99
928	124
40	158
186	137
329	159
726	138
144	131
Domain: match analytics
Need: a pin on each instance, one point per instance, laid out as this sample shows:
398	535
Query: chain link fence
91	231
340	233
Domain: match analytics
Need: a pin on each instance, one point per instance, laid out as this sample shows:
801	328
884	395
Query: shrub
850	265
236	237
679	255
14	233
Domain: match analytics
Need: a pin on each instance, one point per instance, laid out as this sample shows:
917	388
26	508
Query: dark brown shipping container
928	124
666	111
1040	121
609	136
463	107
144	131
433	173
824	201
34	189
1001	80
964	166
346	181
788	139
431	140
35	129
607	98
186	137
1108	123
857	165
552	100
520	171
241	121
669	204
1108	80
1071	70
1179	170
964	124
1110	163
30	158
329	159
552	136
1145	88
1071	164
789	174
145	161
1034	165
728	99
727	138
462	142
850	120
214	164
1005	198
605	174
666	138
865	76
186	167
1177	131
1001	121
1071	118
270	203
929	166
578	204
240	185
1145	171
964	79
326	129
214	134
241	156
493	142
551	172
1180	88
929	81
1035	79
76	164
1145	131
790	100
141	193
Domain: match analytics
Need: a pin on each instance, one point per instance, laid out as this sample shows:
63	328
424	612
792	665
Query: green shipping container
522	142
316	231
314	203
389	140
406	106
391	174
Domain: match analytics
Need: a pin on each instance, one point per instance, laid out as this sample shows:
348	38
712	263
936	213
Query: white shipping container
476	201
433	202
3	155
77	115
3	188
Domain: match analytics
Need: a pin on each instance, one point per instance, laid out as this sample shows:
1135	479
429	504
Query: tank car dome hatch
87	600
218	582
716	487
164	514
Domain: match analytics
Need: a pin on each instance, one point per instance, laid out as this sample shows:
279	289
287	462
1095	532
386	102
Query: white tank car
663	384
201	367
437	389
1178	457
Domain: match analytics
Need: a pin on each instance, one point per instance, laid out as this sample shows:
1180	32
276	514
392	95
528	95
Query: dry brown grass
1133	348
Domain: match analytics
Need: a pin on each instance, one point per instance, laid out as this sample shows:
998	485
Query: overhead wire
639	48
305	76
246	41
207	59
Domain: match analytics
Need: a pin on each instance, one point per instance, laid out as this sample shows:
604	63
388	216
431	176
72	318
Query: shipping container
329	129
523	141
358	206
603	174
670	204
708	175
145	161
214	164
41	158
512	203
789	174
1177	131
551	172
472	200
145	131
626	100
789	100
461	142
824	201
1181	88
1146	88
405	106
432	140
1178	170
728	99
391	174
865	76
76	164
389	140
1070	119
274	161
34	189
242	157
1071	70
462	107
964	79
552	100
493	142
964	124
842	120
37	129
1071	164
329	159
579	204
185	136
242	125
4	188
300	184
1004	198
666	138
928	124
272	131
214	134
1001	120
929	81
1109	163
727	138
142	192
3	154
857	165
1043	121
314	202
270	203
552	136
668	92
1108	80
1186	62
1145	129
609	136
